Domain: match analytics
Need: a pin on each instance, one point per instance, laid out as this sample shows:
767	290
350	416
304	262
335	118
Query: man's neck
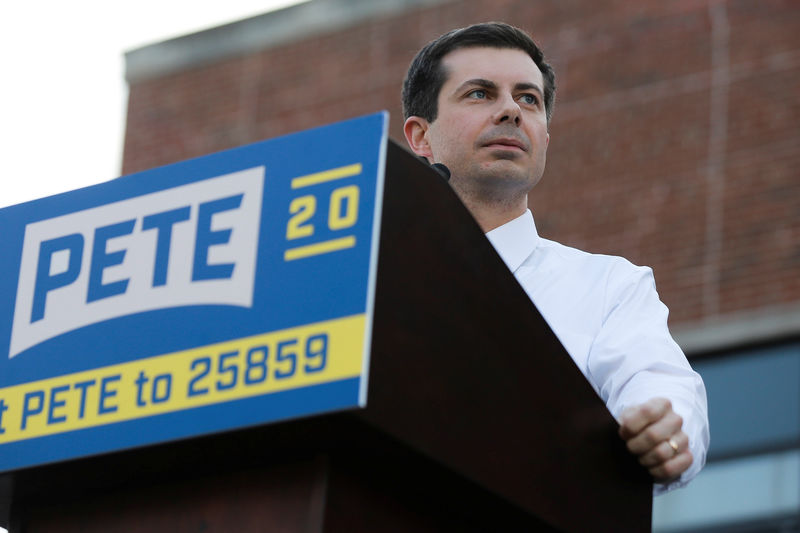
492	215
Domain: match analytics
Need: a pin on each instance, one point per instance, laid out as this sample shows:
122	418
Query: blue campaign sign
221	292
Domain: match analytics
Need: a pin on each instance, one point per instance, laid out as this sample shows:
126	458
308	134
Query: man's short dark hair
426	76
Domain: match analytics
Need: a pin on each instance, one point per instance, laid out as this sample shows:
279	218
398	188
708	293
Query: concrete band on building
275	28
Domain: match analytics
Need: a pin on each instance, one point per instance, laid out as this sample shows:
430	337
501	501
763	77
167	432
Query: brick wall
675	139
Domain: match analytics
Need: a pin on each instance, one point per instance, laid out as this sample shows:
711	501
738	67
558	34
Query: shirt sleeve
633	358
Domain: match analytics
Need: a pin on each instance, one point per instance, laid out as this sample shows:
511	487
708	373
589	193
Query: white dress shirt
607	314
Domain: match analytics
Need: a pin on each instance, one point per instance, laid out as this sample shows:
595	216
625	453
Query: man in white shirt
479	101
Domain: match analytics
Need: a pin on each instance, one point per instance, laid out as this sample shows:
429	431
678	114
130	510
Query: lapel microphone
443	170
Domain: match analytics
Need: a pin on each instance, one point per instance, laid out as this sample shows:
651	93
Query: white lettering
190	245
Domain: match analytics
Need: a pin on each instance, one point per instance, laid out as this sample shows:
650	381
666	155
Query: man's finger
672	468
655	434
634	419
664	451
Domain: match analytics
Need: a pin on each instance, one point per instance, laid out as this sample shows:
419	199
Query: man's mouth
507	144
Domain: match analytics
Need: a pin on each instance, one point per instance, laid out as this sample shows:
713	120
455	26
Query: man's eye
529	99
477	93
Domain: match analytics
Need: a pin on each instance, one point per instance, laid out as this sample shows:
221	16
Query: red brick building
675	142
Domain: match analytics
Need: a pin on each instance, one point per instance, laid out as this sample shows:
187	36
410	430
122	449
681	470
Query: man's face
491	126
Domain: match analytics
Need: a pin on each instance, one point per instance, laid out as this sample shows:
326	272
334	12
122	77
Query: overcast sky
63	94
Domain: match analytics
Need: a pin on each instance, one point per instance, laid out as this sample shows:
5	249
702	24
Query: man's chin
505	170
496	181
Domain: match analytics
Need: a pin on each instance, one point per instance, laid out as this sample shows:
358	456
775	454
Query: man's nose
508	110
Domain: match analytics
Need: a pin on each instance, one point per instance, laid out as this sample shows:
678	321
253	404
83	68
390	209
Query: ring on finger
673	445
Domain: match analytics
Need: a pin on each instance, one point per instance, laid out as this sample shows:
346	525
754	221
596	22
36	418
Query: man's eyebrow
488	84
528	87
476	82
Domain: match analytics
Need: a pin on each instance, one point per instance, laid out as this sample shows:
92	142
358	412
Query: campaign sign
221	292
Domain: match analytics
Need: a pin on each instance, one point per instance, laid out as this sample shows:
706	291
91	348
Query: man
479	101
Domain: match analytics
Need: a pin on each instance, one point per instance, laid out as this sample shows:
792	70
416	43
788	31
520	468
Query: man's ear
416	132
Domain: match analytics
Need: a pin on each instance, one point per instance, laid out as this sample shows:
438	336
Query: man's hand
652	432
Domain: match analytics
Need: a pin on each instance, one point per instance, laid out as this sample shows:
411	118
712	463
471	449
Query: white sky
63	92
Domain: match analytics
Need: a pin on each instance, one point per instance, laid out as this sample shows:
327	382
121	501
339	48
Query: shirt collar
515	240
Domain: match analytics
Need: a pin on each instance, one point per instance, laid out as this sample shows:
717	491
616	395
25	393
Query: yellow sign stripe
319	248
241	368
327	175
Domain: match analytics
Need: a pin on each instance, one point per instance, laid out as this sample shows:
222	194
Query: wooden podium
477	420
